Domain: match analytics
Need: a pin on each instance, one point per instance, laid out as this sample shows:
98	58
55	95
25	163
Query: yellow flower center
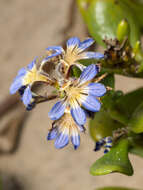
33	75
71	56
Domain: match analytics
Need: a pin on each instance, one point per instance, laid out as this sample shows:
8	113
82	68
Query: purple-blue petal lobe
16	85
52	134
75	139
30	106
62	140
92	55
81	128
78	115
27	96
57	111
22	72
91	103
72	42
57	50
31	65
85	44
96	89
88	73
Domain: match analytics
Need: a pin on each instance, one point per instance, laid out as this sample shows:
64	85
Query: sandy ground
26	29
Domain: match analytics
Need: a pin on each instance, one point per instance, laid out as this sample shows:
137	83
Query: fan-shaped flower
23	82
79	94
65	129
74	52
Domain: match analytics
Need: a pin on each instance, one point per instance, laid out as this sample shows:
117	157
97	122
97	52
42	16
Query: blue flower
105	143
64	130
75	51
79	94
23	82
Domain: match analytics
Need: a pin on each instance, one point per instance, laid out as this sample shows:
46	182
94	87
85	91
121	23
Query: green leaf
137	9
114	161
109	104
136	144
129	102
115	188
137	150
109	81
136	121
103	125
102	18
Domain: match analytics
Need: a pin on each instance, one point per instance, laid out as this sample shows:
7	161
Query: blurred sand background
26	29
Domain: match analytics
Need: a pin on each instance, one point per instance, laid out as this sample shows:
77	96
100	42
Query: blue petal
91	103
88	73
30	106
78	115
55	48
27	96
98	146
22	72
85	44
58	50
92	55
31	65
21	90
75	139
52	134
73	42
62	140
81	128
96	89
57	110
16	85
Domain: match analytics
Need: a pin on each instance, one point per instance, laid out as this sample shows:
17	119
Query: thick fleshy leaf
137	150
96	89
137	7
102	18
27	96
130	101
114	161
88	73
109	103
91	103
57	110
103	125
78	115
136	121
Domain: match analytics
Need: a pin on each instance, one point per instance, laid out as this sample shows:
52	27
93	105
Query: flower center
33	75
71	56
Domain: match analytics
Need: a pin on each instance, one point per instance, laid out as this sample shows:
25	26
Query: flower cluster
77	96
